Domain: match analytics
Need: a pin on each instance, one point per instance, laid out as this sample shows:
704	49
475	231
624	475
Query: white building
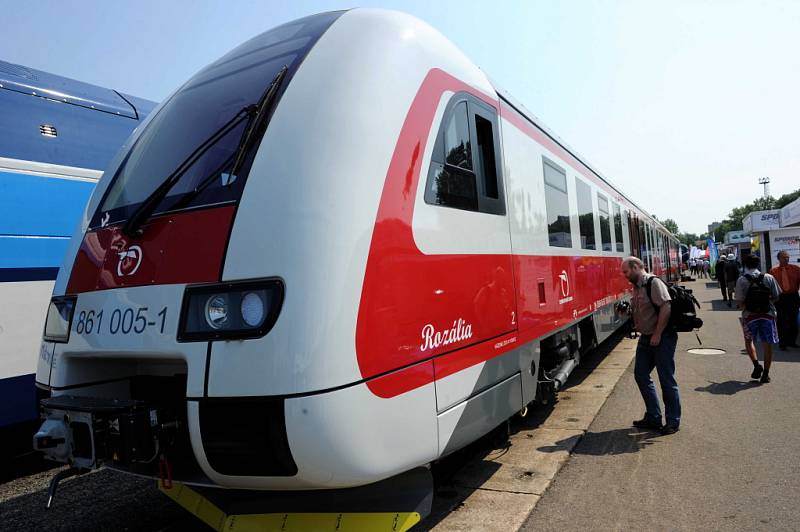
773	231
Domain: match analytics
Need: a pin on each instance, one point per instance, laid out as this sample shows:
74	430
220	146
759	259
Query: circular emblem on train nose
564	283
129	261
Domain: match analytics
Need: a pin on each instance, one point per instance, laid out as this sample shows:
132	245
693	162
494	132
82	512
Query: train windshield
198	110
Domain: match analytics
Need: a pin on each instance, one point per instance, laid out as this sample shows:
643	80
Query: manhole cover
706	351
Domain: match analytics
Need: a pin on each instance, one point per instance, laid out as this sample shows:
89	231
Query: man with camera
650	307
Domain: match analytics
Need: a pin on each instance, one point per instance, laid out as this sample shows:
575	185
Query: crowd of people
700	267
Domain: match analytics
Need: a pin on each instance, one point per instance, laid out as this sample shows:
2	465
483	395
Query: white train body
403	328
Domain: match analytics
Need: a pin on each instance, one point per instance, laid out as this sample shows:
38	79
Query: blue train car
56	137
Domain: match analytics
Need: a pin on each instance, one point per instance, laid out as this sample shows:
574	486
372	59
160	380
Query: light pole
764	181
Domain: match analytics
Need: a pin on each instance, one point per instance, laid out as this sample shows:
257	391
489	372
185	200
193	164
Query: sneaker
647	423
756	372
765	378
668	429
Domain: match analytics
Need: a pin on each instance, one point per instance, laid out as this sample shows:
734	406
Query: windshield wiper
133	226
245	143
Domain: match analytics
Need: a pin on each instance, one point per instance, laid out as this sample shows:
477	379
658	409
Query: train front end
204	326
134	344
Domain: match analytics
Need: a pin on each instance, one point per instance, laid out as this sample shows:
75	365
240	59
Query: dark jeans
724	289
661	357
787	307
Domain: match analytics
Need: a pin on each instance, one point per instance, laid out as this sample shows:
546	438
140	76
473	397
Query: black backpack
758	294
682	317
731	271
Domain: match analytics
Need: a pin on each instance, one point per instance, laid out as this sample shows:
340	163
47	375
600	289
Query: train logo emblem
564	283
564	278
129	261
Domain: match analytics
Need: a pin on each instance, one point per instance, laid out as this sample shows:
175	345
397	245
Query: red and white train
335	254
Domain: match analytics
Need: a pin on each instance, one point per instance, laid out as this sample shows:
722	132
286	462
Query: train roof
505	95
25	80
53	120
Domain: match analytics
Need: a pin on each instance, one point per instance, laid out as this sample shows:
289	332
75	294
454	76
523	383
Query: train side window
464	172
451	180
585	214
487	157
633	234
605	222
642	242
556	199
618	228
483	128
457	148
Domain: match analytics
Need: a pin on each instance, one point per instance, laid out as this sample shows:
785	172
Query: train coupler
87	432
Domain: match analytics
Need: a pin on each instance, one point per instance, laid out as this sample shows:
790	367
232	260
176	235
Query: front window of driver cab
202	106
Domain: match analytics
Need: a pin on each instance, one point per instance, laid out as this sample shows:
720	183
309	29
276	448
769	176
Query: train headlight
59	319
228	311
217	311
252	309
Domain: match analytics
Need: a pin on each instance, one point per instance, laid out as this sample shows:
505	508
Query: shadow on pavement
727	387
448	496
609	442
791	354
718	304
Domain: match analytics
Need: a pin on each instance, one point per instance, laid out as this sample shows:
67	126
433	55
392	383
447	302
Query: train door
462	228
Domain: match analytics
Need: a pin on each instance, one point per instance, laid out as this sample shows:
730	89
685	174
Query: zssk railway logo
129	261
564	282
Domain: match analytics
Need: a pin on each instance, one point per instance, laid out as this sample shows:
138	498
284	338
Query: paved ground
733	466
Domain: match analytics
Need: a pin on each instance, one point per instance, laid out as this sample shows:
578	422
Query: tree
670	224
687	238
786	199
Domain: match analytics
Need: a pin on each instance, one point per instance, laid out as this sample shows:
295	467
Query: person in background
656	347
732	273
719	275
756	294
788	277
706	269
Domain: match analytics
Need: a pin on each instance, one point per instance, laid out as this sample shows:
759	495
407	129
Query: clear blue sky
683	104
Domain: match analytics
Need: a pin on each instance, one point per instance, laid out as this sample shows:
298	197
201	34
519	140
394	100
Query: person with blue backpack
756	294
